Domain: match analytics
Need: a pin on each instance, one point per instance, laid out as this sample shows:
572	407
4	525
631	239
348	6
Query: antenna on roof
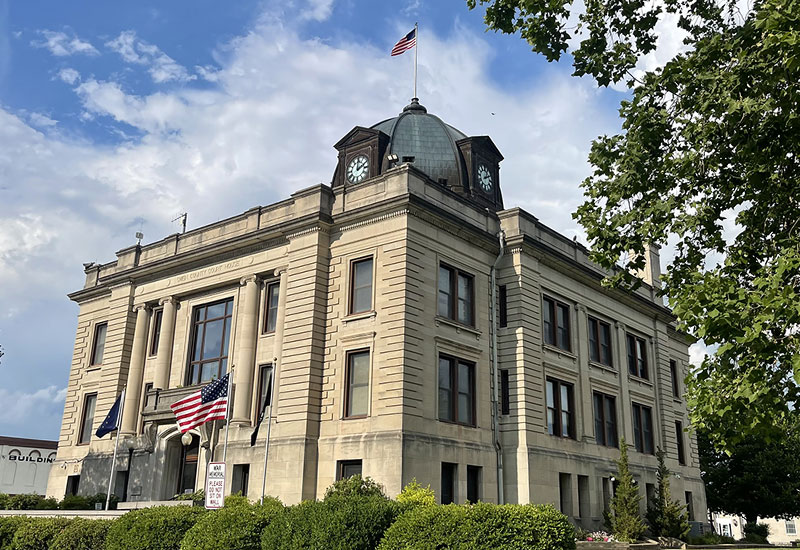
182	217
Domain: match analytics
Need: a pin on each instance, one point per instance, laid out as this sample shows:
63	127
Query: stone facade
411	228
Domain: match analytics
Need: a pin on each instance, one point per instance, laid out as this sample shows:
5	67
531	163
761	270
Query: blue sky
117	116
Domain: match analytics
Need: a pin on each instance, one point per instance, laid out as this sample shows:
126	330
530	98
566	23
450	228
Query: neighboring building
25	465
782	532
369	301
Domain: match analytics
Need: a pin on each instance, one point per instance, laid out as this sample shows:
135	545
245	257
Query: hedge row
353	515
38	502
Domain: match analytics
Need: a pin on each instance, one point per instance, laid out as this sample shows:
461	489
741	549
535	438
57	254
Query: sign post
215	485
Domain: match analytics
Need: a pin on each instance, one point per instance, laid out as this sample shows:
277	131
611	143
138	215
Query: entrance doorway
187	477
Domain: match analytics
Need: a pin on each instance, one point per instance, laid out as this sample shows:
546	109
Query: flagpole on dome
116	445
416	52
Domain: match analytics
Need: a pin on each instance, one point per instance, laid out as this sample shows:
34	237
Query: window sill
602	366
559	351
677	401
563	437
93	368
439	320
642	381
454	423
358	316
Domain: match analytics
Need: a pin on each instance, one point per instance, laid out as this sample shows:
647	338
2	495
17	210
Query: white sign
215	485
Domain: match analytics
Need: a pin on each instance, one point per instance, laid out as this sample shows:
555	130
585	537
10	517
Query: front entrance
187	477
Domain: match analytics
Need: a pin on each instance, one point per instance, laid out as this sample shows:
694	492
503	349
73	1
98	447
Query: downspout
495	374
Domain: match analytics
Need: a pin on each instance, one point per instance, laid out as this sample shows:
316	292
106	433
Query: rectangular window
456	390
448	482
147	387
637	356
791	529
673	371
584	507
99	344
73	483
348	468
211	331
241	478
560	417
264	386
643	428
599	341
605	420
156	336
649	494
505	393
689	505
361	285
565	493
503	306
473	484
357	384
271	307
87	418
555	323
607	489
679	436
456	295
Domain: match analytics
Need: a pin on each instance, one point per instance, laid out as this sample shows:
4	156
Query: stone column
164	352
246	352
278	350
585	397
130	412
624	407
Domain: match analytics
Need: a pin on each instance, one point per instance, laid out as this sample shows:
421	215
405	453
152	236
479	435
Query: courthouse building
371	303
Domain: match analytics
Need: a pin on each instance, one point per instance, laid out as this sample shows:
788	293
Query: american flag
405	43
208	403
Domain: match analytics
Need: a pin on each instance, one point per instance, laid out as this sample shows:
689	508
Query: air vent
409	159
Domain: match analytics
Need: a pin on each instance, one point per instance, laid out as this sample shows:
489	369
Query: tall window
361	286
505	392
357	401
643	428
188	474
211	330
456	390
689	506
473	483
605	420
99	343
348	468
599	341
673	371
679	437
264	386
87	418
560	416
271	313
241	479
456	295
449	482
637	356
503	306
555	323
158	315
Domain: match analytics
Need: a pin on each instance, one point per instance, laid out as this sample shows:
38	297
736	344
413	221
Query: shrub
37	534
760	529
83	534
24	502
711	539
667	517
237	526
75	502
197	496
157	528
623	519
47	504
291	528
415	494
4	501
481	527
8	527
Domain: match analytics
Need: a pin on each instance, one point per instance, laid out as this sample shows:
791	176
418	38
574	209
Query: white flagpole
228	416
416	50
116	445
266	444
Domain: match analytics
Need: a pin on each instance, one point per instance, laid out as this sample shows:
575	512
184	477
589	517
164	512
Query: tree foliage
623	518
667	517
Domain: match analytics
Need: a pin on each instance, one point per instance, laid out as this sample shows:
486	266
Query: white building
25	465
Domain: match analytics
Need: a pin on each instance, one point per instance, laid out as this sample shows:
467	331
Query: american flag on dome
208	403
405	43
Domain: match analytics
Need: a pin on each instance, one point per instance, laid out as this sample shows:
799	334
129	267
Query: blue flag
111	422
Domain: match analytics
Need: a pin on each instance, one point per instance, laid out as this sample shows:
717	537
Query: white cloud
162	68
698	352
318	10
46	405
70	76
61	44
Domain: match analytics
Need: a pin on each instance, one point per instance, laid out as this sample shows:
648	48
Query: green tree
623	518
667	517
709	155
757	478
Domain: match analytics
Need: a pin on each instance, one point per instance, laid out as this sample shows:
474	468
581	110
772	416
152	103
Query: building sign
38	459
215	485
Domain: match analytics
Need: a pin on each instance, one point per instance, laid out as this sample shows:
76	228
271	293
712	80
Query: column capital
167	300
244	281
620	325
581	308
139	307
281	270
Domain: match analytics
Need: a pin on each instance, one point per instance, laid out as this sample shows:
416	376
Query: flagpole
416	50
228	416
266	444
116	445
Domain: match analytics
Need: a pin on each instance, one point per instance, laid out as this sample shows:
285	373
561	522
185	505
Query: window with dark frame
503	306
605	420
87	418
456	390
264	386
560	409
271	307
473	483
456	297
211	330
555	323
357	384
679	437
448	482
155	337
643	429
361	285
599	341
505	392
190	454
637	356
673	371
689	506
241	479
348	468
147	387
98	344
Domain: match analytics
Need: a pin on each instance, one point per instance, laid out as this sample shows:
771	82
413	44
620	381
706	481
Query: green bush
197	496
4	501
759	529
237	526
24	502
711	538
75	502
481	527
291	528
83	534
415	494
8	527
37	534
157	528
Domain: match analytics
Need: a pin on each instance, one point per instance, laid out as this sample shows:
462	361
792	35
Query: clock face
485	178
358	169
